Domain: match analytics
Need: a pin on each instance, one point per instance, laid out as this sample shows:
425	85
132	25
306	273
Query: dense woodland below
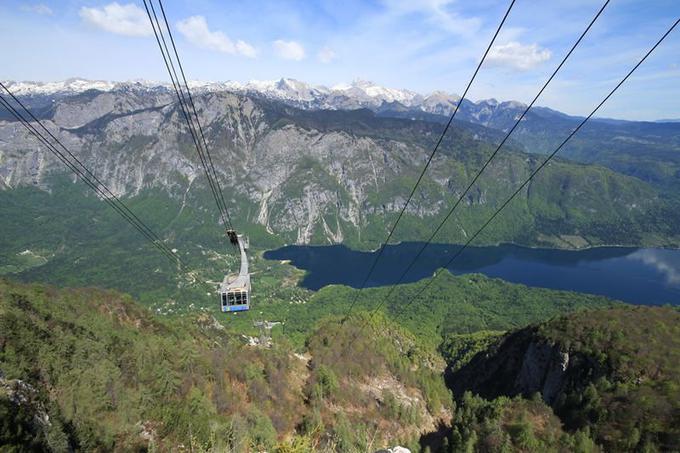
92	369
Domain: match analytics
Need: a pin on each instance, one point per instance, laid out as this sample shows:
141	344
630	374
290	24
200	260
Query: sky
421	45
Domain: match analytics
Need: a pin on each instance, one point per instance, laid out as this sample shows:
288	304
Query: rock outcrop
20	401
543	369
522	363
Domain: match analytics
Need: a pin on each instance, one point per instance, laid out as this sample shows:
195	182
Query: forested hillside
91	370
111	375
612	373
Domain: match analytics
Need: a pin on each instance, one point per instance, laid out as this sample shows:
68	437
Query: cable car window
232	300
224	299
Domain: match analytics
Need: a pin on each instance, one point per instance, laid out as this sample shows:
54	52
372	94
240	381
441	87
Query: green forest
109	374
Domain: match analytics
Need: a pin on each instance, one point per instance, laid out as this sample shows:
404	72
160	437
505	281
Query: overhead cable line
97	185
205	156
491	157
429	160
535	172
193	107
179	90
188	107
75	165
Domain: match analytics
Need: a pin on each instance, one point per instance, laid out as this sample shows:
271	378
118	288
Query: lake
639	276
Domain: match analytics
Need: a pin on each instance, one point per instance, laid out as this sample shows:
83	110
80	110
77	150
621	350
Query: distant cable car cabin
235	288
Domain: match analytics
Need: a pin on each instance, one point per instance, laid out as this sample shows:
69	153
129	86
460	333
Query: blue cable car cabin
235	288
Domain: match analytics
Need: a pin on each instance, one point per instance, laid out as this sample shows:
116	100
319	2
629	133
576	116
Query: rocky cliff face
24	417
522	363
308	177
543	370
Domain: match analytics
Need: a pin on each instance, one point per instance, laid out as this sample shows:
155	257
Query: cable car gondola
235	288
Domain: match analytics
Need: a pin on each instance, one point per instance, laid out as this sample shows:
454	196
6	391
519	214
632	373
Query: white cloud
326	55
655	258
289	50
518	56
246	49
38	8
128	20
437	12
195	29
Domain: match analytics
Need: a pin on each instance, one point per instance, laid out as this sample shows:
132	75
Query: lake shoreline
497	244
643	276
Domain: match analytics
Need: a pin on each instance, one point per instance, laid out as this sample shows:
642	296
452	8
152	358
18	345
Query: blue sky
423	45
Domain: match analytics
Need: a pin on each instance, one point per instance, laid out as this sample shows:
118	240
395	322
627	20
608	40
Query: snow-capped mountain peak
284	88
73	85
366	88
357	94
491	101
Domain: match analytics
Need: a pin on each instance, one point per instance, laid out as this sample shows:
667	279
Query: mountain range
355	95
358	94
331	176
647	150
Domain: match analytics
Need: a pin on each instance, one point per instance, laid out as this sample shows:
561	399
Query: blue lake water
639	276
